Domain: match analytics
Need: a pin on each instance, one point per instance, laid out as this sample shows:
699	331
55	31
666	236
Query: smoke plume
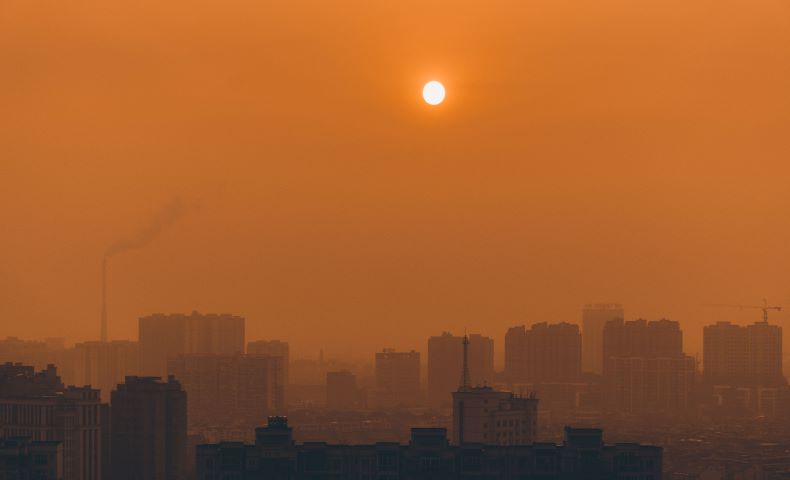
160	222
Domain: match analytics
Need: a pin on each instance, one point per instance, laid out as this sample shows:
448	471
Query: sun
433	92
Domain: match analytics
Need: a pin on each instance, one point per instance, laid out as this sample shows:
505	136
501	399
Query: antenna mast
465	373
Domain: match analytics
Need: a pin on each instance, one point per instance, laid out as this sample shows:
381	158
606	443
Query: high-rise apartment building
445	363
725	354
163	336
342	392
764	345
640	338
238	391
743	356
38	406
274	348
544	353
397	378
594	317
149	430
103	365
645	369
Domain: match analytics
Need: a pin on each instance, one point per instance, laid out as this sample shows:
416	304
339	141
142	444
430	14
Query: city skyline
218	395
410	240
601	153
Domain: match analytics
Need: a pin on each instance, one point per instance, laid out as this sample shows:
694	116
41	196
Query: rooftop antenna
465	373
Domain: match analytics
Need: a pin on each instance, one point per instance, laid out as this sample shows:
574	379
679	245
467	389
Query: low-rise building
428	455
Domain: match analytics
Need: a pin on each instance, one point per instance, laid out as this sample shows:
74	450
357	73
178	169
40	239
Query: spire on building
464	386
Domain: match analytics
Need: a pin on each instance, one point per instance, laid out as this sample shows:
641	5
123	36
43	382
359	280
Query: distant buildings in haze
743	355
645	369
229	393
445	356
342	392
103	365
594	318
543	353
162	336
397	379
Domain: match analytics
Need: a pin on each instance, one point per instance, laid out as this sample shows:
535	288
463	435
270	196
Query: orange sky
605	150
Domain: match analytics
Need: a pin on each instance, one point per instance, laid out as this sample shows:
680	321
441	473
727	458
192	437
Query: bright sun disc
433	93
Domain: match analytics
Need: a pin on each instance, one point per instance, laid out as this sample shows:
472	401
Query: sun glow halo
433	93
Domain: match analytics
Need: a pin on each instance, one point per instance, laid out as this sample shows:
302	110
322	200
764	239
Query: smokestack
159	222
104	299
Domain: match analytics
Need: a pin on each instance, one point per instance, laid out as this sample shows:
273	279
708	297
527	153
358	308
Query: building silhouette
543	353
445	354
645	369
273	348
38	406
275	455
149	430
764	347
484	415
39	354
163	336
229	393
397	379
725	354
23	459
743	369
342	392
640	338
103	365
594	318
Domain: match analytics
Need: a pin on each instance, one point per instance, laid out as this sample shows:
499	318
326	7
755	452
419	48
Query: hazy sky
605	150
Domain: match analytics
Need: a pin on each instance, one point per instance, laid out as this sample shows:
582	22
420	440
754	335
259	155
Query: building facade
397	379
230	393
445	356
645	369
273	348
149	430
764	347
164	336
38	406
103	365
543	353
594	317
342	391
725	354
485	415
22	459
428	456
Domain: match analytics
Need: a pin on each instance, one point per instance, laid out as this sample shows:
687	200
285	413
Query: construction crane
764	307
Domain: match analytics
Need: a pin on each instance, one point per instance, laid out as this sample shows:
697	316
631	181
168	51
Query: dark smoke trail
161	221
165	218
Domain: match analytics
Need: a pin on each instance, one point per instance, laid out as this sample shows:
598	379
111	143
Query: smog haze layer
607	151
